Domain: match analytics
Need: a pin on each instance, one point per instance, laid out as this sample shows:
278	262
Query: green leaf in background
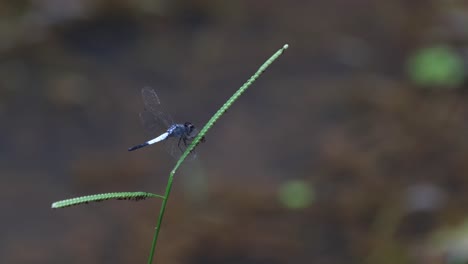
296	194
436	66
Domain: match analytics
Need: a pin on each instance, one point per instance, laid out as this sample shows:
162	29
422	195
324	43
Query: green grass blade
228	104
135	196
201	134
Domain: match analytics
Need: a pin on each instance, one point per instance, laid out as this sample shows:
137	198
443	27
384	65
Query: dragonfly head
190	127
192	131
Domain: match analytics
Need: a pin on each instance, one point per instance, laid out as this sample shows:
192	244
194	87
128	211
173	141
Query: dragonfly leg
178	144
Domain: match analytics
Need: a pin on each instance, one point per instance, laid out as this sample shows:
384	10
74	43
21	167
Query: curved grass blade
201	135
135	196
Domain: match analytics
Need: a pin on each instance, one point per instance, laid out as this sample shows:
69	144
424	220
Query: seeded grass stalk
135	196
144	195
201	134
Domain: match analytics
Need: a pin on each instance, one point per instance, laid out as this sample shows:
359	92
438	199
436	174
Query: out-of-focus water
335	155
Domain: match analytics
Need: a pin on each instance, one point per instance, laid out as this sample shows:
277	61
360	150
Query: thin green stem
200	135
160	217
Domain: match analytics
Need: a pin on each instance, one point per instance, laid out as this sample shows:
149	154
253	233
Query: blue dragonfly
176	136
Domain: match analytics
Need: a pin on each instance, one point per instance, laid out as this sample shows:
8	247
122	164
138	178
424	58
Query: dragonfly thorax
181	130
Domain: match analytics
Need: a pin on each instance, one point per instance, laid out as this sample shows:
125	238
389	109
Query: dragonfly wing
176	149
153	105
171	147
151	124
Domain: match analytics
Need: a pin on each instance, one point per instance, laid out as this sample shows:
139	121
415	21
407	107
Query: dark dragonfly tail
138	146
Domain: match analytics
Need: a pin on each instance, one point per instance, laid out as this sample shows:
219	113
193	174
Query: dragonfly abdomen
138	146
147	143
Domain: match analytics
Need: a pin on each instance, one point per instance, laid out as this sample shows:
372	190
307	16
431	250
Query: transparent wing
176	148
151	125
160	119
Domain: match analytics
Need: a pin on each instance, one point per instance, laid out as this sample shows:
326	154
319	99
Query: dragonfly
177	136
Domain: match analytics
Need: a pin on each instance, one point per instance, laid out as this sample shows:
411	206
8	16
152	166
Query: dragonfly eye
189	126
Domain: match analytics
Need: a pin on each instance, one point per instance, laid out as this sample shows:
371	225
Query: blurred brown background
351	148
